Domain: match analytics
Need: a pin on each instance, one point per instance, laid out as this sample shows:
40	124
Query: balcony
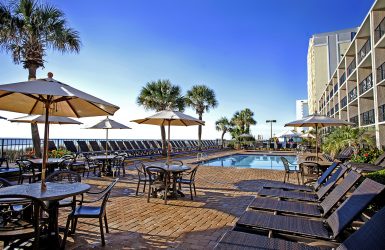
354	120
336	108
366	84
335	88
342	80
381	113
352	94
381	73
379	31
364	51
367	117
352	67
344	102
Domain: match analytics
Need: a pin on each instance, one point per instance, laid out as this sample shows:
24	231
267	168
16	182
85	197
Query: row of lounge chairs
135	147
285	216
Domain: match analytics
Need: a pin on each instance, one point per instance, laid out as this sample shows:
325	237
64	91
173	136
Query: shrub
367	155
58	153
379	202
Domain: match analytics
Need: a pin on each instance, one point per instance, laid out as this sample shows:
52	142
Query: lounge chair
156	147
329	229
114	146
70	145
105	147
51	146
137	148
95	147
130	148
122	147
315	186
345	154
369	236
303	208
84	149
145	150
306	196
378	164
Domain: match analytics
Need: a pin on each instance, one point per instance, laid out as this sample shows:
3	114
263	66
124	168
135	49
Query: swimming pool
251	161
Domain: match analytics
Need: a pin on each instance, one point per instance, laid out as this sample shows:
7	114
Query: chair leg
66	232
102	231
298	179
74	223
191	192
284	178
149	193
144	187
195	191
137	188
106	223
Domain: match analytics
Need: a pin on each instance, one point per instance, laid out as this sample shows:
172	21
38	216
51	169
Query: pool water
251	161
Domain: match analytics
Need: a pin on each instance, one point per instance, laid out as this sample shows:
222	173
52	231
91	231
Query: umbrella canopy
170	118
307	135
108	124
245	135
288	134
51	97
318	121
41	119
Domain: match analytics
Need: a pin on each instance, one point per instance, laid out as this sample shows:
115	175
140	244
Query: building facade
301	109
325	51
356	89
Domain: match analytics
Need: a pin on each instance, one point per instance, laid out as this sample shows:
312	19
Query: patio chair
66	162
303	208
378	164
4	183
306	196
95	147
27	170
117	164
158	181
188	178
84	149
328	229
345	154
96	212
92	165
314	187
20	220
51	146
289	171
142	176
70	146
369	236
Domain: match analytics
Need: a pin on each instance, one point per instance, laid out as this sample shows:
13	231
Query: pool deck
222	196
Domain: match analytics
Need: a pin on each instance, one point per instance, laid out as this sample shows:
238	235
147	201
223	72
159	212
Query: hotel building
356	89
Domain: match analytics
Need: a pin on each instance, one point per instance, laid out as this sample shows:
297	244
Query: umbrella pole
106	142
316	142
168	143
45	150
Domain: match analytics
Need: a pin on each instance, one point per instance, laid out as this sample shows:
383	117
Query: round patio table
51	163
105	159
54	193
174	170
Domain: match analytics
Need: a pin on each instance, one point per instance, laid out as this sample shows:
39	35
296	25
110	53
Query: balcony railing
342	79
381	113
366	84
381	72
336	108
379	31
344	102
353	94
367	117
354	120
352	67
364	51
335	88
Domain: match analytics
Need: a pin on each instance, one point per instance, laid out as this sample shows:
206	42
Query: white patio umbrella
288	134
307	135
318	121
170	118
51	97
41	119
108	124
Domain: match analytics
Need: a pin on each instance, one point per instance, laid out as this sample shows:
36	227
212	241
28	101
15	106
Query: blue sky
252	53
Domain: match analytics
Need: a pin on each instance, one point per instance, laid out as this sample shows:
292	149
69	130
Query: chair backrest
346	153
25	166
353	205
106	194
66	176
51	146
134	145
104	145
285	164
95	146
140	168
156	174
128	145
154	145
331	181
66	162
380	159
312	158
12	223
4	183
324	175
2	161
121	145
193	173
114	146
147	145
327	157
339	191
83	146
118	161
70	145
369	236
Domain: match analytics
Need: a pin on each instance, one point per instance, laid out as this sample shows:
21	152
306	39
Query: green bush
367	155
378	176
58	153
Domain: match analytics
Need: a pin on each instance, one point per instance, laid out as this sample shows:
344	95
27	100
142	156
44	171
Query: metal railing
366	84
352	94
381	72
381	113
352	67
364	50
342	80
379	31
354	120
344	102
367	117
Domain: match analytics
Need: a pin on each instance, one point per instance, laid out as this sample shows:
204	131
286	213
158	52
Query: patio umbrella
318	121
41	119
170	118
288	134
108	124
307	135
51	97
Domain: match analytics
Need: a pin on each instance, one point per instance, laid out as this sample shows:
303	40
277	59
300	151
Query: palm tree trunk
200	134
223	135
34	130
164	144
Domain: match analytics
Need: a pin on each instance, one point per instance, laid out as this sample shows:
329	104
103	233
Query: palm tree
201	98
224	125
27	29
243	120
161	95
